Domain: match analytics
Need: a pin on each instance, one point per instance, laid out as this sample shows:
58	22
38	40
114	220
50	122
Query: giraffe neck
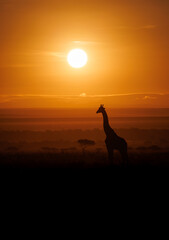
106	125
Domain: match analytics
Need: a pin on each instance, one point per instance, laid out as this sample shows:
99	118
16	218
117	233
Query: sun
77	58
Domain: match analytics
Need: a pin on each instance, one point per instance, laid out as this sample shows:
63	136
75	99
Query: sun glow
77	58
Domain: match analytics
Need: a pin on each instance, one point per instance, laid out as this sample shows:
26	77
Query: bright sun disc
77	58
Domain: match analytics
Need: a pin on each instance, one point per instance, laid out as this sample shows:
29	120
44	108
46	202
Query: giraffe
113	141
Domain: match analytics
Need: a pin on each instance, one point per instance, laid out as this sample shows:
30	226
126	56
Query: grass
79	160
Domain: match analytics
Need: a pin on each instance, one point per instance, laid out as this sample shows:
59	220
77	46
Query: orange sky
126	43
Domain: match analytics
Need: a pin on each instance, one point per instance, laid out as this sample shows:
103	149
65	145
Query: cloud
60	55
44	53
146	27
86	42
20	65
83	95
151	26
83	100
149	97
142	96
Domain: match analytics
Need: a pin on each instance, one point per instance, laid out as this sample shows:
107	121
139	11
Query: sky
126	43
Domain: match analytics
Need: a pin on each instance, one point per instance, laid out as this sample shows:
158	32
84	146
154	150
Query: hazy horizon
57	119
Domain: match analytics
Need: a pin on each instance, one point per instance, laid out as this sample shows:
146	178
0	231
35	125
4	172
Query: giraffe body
113	141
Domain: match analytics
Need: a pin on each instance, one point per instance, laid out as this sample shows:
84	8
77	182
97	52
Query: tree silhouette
84	143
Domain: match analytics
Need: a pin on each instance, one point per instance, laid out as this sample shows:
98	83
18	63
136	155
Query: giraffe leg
124	156
111	154
110	151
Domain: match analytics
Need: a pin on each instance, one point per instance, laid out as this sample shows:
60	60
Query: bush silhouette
154	147
85	143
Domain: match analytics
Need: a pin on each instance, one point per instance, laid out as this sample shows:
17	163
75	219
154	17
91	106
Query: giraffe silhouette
113	141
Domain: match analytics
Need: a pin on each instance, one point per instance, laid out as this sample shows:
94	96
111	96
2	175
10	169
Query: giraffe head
101	109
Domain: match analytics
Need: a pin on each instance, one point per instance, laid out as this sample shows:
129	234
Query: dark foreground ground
84	171
81	161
